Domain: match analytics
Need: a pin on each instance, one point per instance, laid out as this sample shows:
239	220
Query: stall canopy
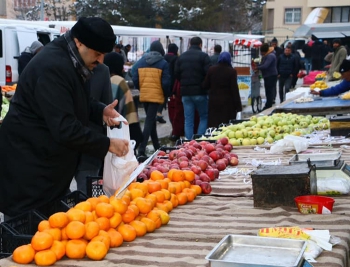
323	30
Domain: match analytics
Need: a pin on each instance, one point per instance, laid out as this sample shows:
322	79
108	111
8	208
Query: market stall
195	228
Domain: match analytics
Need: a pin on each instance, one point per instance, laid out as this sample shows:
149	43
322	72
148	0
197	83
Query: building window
292	16
338	14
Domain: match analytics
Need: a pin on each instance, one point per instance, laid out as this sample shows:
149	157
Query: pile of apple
205	159
260	130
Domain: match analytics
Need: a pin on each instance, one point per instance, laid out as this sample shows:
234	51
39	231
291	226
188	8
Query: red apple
228	147
182	158
183	164
214	155
196	169
234	161
220	164
206	187
161	153
142	176
233	155
198	182
202	164
209	148
223	140
204	177
216	172
210	173
173	154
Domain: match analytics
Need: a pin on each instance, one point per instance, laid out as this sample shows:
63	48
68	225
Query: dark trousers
150	128
284	86
270	90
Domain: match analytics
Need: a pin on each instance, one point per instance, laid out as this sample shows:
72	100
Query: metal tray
255	251
328	159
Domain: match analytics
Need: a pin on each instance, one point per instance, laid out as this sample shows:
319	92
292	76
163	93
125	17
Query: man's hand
109	113
315	92
120	147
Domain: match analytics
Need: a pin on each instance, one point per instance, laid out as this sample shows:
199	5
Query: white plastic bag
118	169
288	143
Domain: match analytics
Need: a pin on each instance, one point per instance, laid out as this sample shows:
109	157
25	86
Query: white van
13	40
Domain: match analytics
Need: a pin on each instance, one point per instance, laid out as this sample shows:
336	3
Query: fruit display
346	96
321	76
336	75
4	107
268	129
92	227
319	84
203	158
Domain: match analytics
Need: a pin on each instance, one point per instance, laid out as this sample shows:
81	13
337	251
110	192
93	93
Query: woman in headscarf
224	98
121	91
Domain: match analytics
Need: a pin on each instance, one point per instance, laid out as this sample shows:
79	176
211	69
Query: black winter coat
191	69
45	131
23	61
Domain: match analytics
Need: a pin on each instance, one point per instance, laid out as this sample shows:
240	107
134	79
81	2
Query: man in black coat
45	131
191	69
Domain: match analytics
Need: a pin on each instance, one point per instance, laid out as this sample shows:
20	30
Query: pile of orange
93	226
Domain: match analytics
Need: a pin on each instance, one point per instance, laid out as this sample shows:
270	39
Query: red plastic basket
314	204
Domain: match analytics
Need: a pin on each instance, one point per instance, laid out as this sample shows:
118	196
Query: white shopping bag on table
116	169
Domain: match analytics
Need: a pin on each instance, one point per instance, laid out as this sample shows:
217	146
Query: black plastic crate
94	186
167	149
18	231
73	198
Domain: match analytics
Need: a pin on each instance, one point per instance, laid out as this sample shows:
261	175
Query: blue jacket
268	66
286	65
337	89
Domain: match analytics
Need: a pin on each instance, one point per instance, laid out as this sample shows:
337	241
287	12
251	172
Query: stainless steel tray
255	251
327	159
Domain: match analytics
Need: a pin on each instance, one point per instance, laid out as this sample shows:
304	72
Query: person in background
100	89
121	91
286	66
46	129
339	54
28	54
340	88
118	48
307	56
326	49
151	76
214	58
224	98
278	50
298	67
316	54
127	49
268	68
191	68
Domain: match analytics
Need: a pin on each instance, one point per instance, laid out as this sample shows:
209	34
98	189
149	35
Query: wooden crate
275	186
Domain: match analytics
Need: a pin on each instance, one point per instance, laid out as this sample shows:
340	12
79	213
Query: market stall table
195	228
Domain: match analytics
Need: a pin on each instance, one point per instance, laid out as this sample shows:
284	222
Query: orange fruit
41	241
44	224
126	198
96	250
155	216
160	196
116	238
84	206
76	215
197	188
162	206
143	187
132	185
129	215
170	173
119	205
58	220
91	230
103	198
55	232
182	197
135	193
156	175
59	249
104	210
128	232
172	188
150	224
75	230
140	227
144	205
76	249
106	240
89	217
189	175
135	209
164	216
187	184
178	187
191	194
167	194
64	234
23	254
152	198
163	183
45	257
94	201
174	200
104	223
178	175
154	186
115	220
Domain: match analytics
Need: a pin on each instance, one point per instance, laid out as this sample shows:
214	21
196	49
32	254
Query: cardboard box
275	186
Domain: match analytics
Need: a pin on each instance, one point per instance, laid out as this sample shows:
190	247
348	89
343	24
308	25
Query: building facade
282	17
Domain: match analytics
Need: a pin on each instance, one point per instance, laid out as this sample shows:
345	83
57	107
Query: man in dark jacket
285	67
191	69
28	54
45	131
214	58
153	80
307	56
